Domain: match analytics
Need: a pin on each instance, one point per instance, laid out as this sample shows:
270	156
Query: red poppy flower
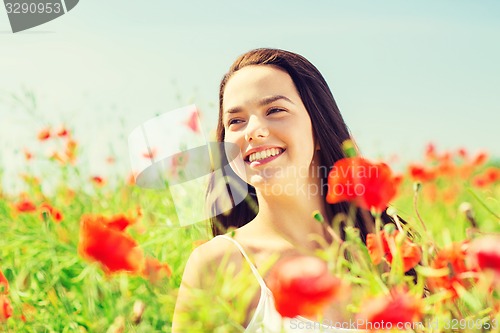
25	206
113	249
154	270
462	152
420	173
120	222
492	174
62	132
388	311
489	176
98	180
302	285
454	258
480	158
46	208
485	253
192	122
479	181
430	152
446	167
27	154
5	308
57	215
384	246
150	154
4	284
44	134
368	185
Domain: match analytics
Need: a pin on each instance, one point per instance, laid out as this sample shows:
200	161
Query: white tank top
267	320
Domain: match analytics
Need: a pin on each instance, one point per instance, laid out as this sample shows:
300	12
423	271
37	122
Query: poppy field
81	252
85	253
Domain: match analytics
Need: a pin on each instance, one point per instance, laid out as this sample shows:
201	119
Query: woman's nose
256	129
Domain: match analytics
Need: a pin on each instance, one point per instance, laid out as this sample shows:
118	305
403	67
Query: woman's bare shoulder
200	272
214	250
208	257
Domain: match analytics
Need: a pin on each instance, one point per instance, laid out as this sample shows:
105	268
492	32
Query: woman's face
263	115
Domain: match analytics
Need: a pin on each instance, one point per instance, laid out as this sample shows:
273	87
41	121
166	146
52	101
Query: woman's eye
234	121
274	110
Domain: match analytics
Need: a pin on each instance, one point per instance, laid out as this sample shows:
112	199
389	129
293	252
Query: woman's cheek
234	154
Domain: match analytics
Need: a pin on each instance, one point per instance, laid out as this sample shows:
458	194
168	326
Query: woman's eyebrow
233	110
262	102
271	99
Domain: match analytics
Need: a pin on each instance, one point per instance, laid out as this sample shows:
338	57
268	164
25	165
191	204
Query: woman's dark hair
329	128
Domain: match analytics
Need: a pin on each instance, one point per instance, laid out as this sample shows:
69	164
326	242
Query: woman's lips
264	160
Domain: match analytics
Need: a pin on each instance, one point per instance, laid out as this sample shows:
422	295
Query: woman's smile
262	155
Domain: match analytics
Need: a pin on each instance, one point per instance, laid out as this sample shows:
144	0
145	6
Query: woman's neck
290	217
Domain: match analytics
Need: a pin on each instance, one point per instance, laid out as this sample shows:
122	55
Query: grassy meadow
54	283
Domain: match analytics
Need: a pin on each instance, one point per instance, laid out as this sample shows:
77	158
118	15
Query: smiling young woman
277	110
272	129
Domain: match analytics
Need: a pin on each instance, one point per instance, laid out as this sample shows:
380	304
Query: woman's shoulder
214	249
212	255
200	272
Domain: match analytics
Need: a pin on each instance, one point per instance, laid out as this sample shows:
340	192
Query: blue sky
403	72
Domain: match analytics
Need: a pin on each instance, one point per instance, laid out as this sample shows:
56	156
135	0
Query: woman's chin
258	181
270	187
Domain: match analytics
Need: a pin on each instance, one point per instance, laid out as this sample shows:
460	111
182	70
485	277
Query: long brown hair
329	128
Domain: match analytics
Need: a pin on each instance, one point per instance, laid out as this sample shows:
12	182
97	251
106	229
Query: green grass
53	289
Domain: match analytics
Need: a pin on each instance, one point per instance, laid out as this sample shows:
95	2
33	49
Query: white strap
252	266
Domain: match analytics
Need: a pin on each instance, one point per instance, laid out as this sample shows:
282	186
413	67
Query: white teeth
264	154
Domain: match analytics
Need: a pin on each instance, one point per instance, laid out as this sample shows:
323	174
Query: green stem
482	203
